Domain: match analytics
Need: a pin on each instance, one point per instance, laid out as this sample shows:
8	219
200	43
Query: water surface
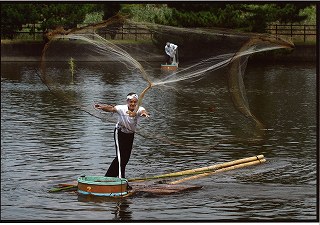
44	142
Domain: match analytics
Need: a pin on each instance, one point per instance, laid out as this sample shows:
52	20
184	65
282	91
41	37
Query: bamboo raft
147	185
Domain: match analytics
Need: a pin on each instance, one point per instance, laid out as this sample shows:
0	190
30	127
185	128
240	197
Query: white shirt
126	123
171	49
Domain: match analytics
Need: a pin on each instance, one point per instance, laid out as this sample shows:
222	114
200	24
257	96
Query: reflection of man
171	50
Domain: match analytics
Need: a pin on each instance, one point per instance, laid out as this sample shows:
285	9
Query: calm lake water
45	142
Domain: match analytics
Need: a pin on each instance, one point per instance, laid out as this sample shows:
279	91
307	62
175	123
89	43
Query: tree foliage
109	9
13	16
249	17
66	15
309	13
49	15
244	16
153	13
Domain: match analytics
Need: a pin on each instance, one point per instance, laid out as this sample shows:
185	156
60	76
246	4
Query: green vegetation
49	16
153	13
243	16
93	17
310	14
219	14
246	17
72	67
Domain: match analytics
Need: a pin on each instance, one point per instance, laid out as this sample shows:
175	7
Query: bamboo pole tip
263	160
260	156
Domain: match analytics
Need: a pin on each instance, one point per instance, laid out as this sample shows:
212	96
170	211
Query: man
171	50
124	132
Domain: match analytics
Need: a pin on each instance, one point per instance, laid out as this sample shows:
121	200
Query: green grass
313	42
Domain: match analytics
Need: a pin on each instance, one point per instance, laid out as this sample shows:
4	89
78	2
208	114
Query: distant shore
30	51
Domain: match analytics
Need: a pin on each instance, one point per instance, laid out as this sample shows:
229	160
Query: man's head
132	101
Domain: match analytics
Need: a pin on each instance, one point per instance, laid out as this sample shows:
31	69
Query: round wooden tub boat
103	186
169	67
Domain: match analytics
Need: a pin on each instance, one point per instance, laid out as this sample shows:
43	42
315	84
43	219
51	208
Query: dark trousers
123	144
168	59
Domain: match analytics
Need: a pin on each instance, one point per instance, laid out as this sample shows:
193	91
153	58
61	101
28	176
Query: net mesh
203	52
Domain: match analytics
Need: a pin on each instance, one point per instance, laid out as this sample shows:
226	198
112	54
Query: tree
13	16
62	14
49	15
248	17
289	13
152	13
111	9
310	13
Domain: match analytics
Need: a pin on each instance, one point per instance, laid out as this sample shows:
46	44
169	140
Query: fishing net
202	51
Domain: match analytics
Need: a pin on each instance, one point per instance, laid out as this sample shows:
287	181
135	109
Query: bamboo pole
63	188
200	170
237	166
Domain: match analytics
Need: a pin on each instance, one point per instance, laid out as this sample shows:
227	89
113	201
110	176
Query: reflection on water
45	141
121	206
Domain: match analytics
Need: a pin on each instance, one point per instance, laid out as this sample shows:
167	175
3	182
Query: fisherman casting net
202	53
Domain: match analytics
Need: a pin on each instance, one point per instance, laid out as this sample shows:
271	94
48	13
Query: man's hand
131	114
145	114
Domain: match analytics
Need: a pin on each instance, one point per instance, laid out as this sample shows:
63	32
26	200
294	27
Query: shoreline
31	52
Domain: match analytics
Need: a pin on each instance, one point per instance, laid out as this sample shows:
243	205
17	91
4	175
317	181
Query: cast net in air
202	53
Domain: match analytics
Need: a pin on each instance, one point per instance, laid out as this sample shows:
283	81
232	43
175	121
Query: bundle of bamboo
232	167
254	160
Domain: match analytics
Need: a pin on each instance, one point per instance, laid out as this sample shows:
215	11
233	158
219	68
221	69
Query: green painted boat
102	186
